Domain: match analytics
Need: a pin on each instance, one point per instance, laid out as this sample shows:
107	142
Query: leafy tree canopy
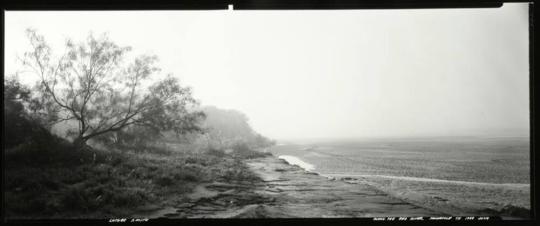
92	84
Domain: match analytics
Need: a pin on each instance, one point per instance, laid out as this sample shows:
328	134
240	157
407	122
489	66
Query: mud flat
286	191
455	176
305	194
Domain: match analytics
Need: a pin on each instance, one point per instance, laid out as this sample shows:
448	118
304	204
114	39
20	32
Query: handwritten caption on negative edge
453	218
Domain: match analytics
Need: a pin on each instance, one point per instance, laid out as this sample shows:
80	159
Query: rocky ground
286	191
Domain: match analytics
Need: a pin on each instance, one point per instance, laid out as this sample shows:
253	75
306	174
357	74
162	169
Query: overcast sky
328	74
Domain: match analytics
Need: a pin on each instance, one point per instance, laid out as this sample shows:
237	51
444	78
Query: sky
326	73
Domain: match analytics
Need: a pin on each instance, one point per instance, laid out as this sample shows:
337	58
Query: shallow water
298	162
418	179
454	174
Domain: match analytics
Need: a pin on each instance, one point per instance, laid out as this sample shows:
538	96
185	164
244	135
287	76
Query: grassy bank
60	182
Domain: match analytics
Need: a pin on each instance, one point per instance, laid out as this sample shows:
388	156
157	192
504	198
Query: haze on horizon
327	74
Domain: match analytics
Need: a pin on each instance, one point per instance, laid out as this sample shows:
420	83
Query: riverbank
302	194
213	185
287	191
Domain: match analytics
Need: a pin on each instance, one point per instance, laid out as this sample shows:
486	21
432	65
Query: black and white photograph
351	113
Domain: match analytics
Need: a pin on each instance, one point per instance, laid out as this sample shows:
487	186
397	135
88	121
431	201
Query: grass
55	181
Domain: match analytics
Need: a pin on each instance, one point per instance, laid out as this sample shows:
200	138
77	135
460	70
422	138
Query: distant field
457	174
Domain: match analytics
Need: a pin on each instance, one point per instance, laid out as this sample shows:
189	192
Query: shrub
216	152
243	151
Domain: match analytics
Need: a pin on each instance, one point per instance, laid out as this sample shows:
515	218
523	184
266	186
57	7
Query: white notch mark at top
231	7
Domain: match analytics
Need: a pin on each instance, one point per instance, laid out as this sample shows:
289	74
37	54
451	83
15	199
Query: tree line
111	97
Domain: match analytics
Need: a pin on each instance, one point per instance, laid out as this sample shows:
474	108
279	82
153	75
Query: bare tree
90	83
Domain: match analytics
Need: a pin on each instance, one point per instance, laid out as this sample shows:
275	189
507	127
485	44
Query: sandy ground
287	191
